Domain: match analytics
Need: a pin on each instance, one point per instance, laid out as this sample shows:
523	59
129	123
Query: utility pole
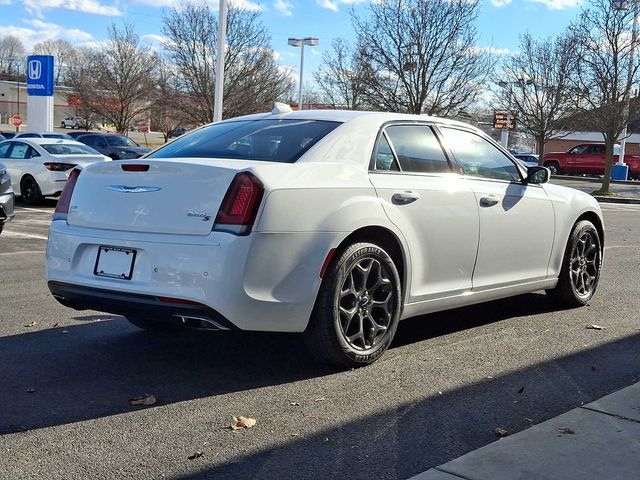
219	87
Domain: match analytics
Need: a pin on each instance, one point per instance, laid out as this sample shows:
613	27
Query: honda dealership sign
40	75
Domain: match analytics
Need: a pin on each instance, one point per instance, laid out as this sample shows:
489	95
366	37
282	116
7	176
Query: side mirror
538	174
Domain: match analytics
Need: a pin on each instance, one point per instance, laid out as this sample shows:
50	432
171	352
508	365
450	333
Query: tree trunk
540	149
609	141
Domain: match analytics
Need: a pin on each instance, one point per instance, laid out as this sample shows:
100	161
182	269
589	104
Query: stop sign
143	127
16	120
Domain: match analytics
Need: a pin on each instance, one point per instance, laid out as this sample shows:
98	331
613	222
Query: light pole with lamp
301	42
222	33
621	170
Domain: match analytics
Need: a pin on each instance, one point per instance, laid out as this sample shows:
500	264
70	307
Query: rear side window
417	149
282	141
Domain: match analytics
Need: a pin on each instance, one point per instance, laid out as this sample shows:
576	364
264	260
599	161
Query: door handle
405	197
488	200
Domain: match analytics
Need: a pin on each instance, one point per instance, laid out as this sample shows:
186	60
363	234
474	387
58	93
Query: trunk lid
81	160
175	197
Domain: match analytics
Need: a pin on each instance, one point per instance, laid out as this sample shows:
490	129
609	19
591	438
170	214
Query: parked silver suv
6	197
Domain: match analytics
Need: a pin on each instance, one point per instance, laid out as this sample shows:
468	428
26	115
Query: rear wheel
358	307
581	267
30	191
553	166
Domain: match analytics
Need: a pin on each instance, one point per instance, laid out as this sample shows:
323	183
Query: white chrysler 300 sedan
334	224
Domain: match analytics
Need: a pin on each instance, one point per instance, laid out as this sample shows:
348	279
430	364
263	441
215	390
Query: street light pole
301	42
627	99
219	86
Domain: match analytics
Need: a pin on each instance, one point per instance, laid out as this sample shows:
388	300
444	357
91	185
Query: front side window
19	151
268	140
478	157
417	149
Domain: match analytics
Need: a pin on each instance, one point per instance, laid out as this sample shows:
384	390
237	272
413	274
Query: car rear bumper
159	309
260	282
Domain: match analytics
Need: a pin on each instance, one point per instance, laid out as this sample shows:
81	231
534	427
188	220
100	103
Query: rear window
282	141
67	149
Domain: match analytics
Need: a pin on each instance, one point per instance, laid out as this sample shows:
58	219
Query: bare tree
61	50
605	73
341	78
253	78
164	114
537	84
422	55
116	81
12	55
79	76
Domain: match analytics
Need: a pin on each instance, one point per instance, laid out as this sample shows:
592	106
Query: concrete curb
613	199
597	440
595	180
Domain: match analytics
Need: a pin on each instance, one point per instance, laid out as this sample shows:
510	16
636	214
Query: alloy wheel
584	264
366	304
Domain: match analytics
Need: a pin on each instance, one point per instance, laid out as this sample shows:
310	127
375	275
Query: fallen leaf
242	422
520	390
294	404
501	432
32	324
566	431
30	390
321	399
55	325
295	434
195	455
595	327
145	400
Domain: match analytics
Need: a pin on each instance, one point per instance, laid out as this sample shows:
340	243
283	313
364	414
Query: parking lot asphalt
447	383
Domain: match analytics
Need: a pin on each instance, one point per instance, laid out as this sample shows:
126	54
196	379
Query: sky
85	21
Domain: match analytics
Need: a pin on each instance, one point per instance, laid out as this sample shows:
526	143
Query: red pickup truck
587	158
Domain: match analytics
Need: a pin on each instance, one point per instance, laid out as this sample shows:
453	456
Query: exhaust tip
199	323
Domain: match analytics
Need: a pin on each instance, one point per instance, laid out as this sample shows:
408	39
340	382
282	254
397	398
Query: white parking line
30	209
23	235
24	252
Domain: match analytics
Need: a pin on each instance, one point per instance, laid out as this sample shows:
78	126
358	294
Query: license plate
115	262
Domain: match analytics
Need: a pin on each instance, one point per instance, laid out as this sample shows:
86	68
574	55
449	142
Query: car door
516	219
15	162
431	204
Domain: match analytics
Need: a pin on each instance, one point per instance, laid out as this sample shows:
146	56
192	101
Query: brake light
58	167
240	205
62	208
135	167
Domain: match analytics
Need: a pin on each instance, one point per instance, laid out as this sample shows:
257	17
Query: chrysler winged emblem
136	189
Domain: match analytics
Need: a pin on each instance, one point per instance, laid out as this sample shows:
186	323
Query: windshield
68	149
267	140
120	141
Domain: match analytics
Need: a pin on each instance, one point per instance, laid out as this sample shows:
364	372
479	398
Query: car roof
344	116
47	141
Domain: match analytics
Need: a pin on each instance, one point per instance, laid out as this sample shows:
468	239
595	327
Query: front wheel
581	267
554	167
358	307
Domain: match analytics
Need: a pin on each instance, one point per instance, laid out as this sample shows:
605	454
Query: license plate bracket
115	262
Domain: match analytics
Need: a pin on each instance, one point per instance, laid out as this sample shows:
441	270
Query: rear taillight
58	167
62	208
240	205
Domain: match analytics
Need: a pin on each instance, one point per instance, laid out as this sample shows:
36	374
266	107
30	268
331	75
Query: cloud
500	3
491	50
330	4
44	31
558	4
283	7
36	7
246	4
334	5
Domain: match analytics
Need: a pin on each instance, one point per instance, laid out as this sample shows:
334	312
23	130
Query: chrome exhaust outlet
200	323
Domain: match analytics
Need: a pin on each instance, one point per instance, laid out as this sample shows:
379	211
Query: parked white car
39	166
332	223
75	122
6	197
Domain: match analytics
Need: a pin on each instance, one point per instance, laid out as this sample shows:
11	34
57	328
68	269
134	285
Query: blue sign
40	75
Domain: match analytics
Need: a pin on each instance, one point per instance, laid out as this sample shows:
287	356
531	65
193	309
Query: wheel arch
594	218
389	241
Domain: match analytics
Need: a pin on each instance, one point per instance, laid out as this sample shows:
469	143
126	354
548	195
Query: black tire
154	326
581	267
553	166
30	191
349	288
